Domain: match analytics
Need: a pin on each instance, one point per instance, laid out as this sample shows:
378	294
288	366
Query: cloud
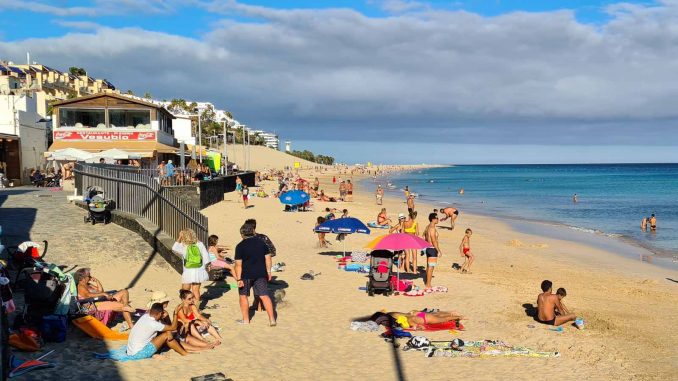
529	78
84	25
98	7
402	6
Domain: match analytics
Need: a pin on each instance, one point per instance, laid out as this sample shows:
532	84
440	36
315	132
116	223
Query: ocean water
612	198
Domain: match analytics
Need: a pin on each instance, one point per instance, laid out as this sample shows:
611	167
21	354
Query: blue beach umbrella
348	225
294	197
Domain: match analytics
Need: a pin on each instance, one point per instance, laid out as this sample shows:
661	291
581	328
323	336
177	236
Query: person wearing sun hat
158	297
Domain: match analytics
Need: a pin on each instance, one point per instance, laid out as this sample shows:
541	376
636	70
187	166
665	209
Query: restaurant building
108	120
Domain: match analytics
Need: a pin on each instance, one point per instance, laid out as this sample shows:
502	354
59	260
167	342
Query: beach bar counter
107	120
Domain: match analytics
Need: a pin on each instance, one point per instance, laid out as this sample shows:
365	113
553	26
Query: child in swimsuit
465	250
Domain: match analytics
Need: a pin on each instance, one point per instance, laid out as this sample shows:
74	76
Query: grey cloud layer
427	75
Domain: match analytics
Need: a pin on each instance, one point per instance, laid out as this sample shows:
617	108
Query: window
82	118
129	118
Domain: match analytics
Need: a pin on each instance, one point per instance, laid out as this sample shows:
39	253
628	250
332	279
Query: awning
189	149
144	149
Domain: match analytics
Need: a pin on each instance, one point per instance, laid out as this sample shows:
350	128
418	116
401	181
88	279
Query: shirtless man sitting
548	303
451	213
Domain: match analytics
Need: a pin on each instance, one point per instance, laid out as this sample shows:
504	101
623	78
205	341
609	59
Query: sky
389	81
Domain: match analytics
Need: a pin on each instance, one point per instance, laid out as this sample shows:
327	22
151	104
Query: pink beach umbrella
398	241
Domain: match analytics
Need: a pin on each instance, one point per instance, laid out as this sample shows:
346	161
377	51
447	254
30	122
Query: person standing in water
574	198
465	251
653	222
643	224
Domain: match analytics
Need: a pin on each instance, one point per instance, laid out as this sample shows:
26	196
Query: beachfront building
25	125
271	140
106	120
23	134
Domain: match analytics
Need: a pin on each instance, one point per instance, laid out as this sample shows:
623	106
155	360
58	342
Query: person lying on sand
547	305
90	287
416	320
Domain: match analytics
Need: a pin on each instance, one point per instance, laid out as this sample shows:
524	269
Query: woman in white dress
191	278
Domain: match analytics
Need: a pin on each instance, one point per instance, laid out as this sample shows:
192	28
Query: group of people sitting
48	178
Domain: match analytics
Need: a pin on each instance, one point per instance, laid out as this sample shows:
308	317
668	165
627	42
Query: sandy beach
628	306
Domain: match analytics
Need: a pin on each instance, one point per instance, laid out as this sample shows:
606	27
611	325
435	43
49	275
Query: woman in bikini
411	227
193	323
382	218
416	320
465	251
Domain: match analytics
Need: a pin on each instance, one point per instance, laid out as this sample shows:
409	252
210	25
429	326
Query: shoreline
630	246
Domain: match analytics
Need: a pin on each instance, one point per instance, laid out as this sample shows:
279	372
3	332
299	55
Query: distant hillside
264	158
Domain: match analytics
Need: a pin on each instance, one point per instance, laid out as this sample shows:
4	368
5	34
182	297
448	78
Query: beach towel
356	267
481	348
447	326
374	224
425	292
121	355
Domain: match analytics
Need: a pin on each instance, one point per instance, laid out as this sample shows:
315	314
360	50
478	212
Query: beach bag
54	327
193	259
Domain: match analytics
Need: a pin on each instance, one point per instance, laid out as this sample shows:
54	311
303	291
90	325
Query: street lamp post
225	152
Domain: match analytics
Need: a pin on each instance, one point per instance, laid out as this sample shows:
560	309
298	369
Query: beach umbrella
348	225
69	154
294	197
398	241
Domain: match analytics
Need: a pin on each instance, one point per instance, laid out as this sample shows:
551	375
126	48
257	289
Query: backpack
193	259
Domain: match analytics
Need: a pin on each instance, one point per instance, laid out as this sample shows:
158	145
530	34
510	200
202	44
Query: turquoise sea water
612	198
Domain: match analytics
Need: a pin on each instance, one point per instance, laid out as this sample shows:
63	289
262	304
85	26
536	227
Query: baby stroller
26	255
98	206
381	262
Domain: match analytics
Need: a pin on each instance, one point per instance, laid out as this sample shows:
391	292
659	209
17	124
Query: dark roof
113	95
17	70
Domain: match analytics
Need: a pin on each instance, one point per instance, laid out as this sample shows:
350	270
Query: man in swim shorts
432	253
149	335
548	303
451	213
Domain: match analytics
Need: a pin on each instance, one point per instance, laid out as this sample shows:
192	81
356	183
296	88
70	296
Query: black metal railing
141	195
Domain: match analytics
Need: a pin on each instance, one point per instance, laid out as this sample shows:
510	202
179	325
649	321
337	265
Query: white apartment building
25	91
23	138
271	139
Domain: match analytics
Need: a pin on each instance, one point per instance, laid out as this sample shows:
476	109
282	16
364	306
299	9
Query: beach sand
629	307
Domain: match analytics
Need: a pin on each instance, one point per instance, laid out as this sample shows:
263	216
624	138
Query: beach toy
20	366
579	322
556	329
98	330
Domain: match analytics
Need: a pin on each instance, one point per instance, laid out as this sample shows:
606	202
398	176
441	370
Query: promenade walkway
118	257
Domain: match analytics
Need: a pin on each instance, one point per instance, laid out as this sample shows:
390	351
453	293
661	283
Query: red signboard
105	136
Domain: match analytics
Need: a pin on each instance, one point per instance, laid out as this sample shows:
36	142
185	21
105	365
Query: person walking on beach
245	196
379	194
450	213
195	260
465	251
410	203
653	222
271	251
253	270
238	187
316	184
342	191
432	253
547	305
